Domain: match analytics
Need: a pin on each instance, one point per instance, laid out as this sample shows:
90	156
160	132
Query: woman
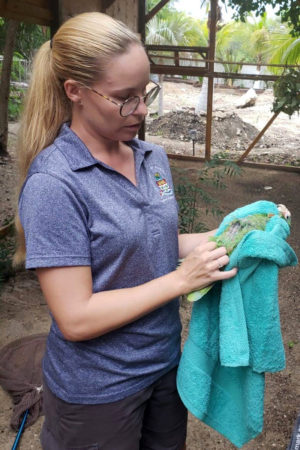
100	220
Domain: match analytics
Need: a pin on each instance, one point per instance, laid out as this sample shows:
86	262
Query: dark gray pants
152	419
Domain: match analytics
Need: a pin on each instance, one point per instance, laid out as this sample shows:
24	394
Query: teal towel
234	335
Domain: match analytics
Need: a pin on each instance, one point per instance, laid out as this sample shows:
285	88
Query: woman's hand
202	267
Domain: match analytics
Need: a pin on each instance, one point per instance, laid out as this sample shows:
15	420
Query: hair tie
51	43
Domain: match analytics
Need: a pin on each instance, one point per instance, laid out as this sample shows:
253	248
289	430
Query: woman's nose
142	109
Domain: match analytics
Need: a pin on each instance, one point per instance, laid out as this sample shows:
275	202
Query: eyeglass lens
131	104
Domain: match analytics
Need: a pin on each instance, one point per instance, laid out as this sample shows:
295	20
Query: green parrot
234	233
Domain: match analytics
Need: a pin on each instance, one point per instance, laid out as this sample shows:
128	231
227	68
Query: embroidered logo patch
164	188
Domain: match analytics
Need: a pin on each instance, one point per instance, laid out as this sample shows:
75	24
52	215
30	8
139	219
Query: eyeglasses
131	104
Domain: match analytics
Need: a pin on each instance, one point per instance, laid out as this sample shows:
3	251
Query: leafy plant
287	92
29	38
15	102
195	192
288	10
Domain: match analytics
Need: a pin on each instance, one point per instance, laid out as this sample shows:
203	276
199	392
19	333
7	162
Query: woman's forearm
129	304
82	314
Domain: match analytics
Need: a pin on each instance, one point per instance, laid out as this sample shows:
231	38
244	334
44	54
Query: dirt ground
23	310
233	129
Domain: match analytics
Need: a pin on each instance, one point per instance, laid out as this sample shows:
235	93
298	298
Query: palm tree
282	48
173	28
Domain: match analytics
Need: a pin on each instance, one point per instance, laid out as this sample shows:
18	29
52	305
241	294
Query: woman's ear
73	91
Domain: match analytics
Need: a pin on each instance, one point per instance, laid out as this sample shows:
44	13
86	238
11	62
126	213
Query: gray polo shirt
76	210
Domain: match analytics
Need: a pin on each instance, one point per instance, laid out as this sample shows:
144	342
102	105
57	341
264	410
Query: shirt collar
79	156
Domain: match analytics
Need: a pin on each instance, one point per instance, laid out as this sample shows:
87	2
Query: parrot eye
284	211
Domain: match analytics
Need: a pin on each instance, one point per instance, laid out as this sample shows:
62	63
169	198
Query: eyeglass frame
121	105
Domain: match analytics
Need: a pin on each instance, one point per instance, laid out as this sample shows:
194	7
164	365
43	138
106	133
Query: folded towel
234	335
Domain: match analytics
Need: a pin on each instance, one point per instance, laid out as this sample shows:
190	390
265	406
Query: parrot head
284	212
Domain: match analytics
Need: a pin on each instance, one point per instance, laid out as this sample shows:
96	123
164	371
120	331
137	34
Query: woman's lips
135	125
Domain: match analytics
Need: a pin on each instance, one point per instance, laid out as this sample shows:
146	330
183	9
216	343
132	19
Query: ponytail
46	108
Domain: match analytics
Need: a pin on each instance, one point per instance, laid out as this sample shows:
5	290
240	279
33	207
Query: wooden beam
246	163
194	71
180	58
141	19
254	142
243	76
105	4
155	10
176	48
55	11
27	11
179	70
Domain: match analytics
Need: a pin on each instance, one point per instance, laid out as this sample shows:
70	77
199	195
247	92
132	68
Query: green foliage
18	72
15	102
283	49
196	193
163	12
287	92
288	10
17	69
29	38
258	39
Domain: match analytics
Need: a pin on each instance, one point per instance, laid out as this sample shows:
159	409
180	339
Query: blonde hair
80	50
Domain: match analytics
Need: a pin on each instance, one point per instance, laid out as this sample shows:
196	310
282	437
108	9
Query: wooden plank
203	71
29	9
178	48
244	76
105	4
126	11
180	58
27	19
254	142
26	12
141	20
246	164
38	3
155	10
180	70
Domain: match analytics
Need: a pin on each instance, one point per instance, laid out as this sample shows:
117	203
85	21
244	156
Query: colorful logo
164	188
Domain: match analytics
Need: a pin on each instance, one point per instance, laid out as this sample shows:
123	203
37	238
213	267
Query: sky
192	7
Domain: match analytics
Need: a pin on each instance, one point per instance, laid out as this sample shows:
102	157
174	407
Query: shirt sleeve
54	222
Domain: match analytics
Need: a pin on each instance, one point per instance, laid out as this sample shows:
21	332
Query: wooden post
142	32
240	160
211	57
9	45
155	9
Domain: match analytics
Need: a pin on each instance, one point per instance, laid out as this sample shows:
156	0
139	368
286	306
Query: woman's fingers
202	266
216	258
227	274
221	262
